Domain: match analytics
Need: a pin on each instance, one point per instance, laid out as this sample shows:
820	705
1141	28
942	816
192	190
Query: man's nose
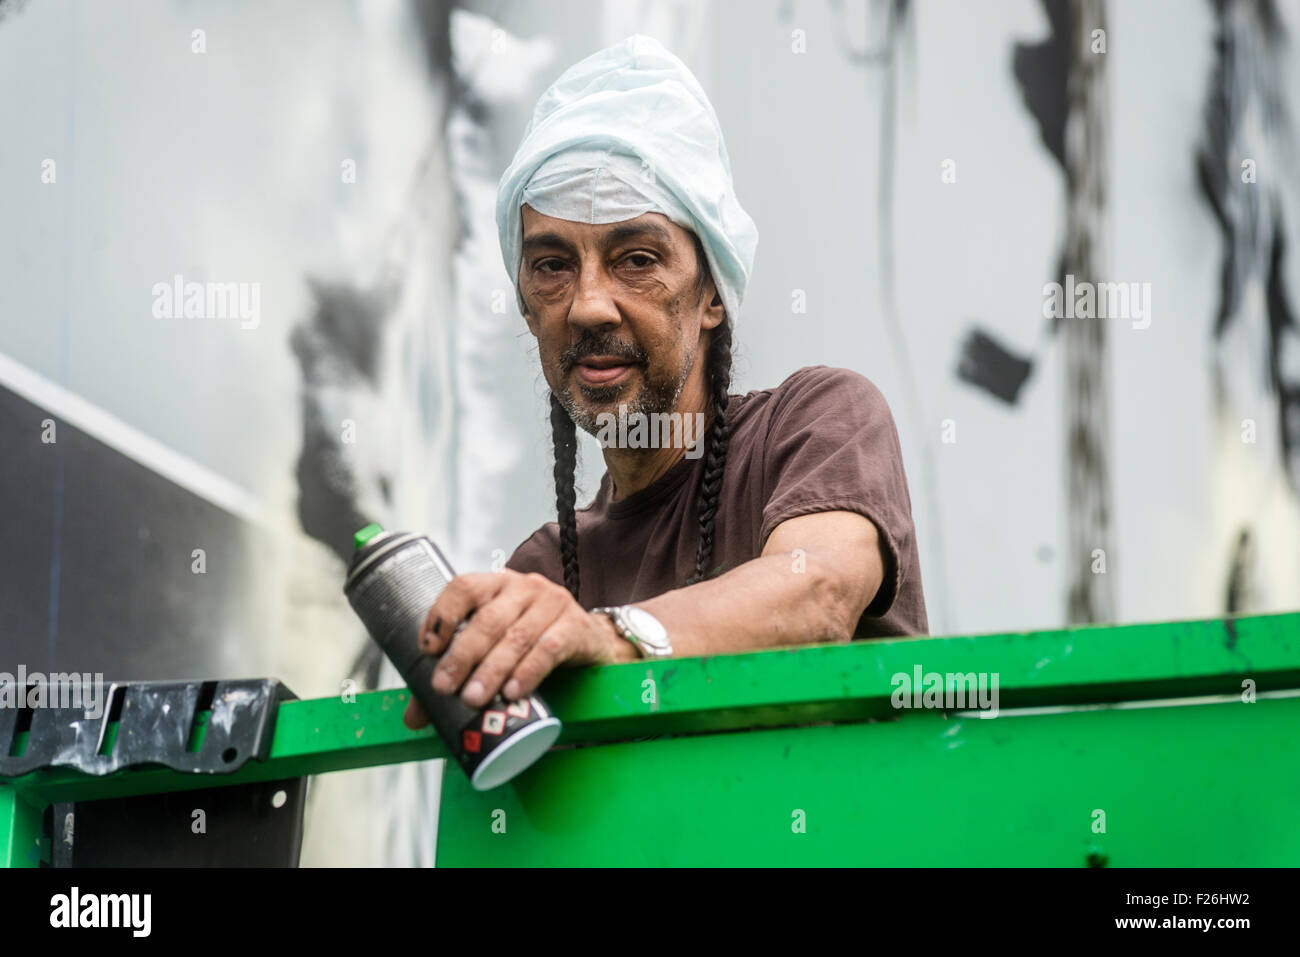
593	300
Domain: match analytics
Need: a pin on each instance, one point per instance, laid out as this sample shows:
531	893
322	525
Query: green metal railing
1148	723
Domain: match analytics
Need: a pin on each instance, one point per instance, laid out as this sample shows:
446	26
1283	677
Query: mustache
591	344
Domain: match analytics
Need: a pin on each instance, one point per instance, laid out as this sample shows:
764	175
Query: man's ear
716	311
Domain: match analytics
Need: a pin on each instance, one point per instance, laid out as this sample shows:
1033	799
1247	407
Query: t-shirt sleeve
833	446
540	553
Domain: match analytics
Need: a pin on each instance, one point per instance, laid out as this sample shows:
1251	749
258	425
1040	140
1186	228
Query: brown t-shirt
823	440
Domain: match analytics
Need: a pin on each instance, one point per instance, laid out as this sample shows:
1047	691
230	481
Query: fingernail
512	689
474	692
443	683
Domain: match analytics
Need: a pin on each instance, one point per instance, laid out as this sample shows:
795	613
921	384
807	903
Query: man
788	522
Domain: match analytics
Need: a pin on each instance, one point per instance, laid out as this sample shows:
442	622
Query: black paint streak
337	348
1217	163
987	364
1238	599
1042	71
1281	324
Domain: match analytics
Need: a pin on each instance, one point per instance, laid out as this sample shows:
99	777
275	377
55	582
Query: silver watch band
640	628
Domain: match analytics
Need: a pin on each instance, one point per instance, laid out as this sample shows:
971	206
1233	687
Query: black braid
718	375
565	437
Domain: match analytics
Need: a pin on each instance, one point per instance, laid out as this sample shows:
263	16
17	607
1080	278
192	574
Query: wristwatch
641	628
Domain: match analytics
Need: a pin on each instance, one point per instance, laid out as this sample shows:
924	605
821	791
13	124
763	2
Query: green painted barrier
1170	744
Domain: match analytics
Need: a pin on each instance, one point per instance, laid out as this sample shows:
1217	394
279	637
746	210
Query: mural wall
937	185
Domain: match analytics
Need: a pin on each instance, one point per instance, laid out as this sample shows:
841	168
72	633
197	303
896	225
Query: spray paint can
393	579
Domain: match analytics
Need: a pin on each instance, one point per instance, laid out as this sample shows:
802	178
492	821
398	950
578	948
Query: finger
414	718
516	642
559	643
481	634
463	594
431	643
429	630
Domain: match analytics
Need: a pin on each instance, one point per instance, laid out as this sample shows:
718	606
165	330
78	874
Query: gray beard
655	396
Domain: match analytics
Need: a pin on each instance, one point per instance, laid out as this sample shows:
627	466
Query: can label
393	582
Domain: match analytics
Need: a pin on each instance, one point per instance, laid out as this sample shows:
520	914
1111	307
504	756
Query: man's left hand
522	628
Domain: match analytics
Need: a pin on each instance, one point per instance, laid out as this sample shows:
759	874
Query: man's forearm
774	600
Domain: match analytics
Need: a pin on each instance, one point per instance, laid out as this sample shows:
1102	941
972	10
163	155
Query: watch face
646	627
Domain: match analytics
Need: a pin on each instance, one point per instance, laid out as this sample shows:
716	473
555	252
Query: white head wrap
624	132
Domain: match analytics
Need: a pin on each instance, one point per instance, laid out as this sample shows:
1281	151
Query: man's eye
639	260
549	266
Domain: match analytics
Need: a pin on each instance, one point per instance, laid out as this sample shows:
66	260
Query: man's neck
634	469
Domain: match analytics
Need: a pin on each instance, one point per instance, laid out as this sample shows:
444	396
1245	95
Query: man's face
618	316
